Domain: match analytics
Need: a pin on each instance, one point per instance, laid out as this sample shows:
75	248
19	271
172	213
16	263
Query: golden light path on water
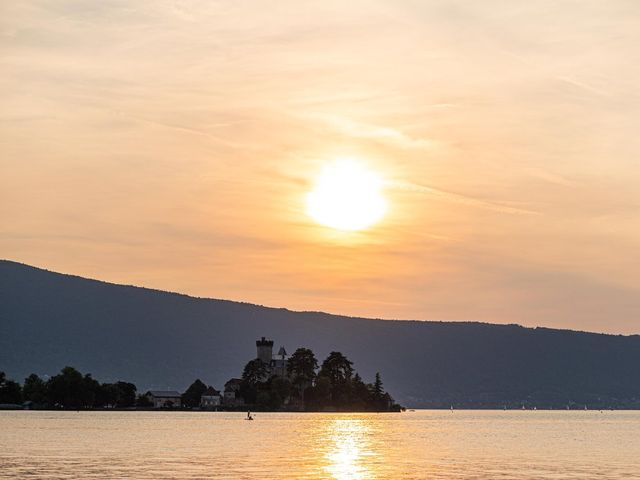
348	450
434	445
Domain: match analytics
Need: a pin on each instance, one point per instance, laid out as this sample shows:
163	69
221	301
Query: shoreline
407	410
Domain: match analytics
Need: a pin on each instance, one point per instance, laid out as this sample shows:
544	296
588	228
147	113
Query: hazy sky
172	144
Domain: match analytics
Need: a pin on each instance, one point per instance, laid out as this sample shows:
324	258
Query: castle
276	364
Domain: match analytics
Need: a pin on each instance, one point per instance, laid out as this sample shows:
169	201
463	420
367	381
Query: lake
412	445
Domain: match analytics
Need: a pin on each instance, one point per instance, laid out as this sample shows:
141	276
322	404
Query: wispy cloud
461	198
192	131
374	132
583	85
550	177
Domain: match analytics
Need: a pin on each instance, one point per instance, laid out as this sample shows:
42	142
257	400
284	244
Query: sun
347	196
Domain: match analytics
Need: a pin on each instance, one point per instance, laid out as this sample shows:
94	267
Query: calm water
421	444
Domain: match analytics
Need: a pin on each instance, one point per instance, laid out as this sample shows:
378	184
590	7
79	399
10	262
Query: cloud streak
377	133
461	199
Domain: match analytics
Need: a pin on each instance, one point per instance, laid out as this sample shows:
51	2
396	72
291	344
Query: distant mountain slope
159	340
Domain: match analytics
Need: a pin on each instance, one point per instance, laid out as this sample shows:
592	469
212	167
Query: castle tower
265	350
280	363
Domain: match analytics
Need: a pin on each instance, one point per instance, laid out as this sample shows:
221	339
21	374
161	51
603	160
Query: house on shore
165	398
210	398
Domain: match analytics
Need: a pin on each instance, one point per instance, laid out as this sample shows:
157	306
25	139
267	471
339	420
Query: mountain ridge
159	339
286	309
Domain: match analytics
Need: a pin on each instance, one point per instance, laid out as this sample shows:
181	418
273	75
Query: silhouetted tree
263	400
65	389
254	372
248	393
253	376
10	391
126	394
319	395
337	368
191	398
378	391
279	391
302	366
90	391
107	395
34	390
361	394
69	389
144	401
388	403
119	394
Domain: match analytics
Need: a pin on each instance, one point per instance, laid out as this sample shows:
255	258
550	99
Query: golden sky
172	145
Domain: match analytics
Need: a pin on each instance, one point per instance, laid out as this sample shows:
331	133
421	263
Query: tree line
70	389
335	385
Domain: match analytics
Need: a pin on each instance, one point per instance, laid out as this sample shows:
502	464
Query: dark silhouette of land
164	340
334	387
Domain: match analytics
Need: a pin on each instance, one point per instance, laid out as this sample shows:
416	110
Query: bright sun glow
347	196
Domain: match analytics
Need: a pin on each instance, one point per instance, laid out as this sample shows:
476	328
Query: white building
210	398
165	398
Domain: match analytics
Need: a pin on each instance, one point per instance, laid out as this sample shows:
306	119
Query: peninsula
269	383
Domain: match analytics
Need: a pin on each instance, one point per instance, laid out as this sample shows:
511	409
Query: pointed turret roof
210	392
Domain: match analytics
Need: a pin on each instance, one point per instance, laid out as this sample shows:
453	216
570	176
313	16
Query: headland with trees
302	385
332	386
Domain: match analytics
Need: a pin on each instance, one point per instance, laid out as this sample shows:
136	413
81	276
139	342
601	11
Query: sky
173	144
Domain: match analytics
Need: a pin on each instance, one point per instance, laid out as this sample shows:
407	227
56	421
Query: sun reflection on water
348	449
